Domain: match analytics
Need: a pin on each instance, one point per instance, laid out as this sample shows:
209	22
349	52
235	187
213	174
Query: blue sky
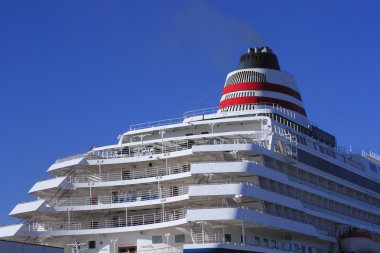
77	73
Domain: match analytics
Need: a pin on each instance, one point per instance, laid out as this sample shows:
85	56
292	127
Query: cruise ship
251	175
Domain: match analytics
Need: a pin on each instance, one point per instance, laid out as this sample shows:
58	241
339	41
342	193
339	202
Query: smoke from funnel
204	26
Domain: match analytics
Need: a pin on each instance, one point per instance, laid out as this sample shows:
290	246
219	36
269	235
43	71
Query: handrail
198	112
207	111
110	222
122	198
172	146
162	250
71	157
155	123
131	174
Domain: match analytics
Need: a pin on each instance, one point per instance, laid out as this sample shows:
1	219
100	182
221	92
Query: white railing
122	198
144	150
373	155
131	174
71	157
112	222
278	245
157	123
171	146
198	112
207	111
363	152
208	238
162	250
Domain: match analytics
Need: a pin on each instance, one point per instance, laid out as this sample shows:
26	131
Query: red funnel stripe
255	100
262	86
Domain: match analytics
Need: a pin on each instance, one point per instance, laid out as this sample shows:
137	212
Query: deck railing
159	148
162	250
122	198
71	157
207	111
131	174
111	222
172	146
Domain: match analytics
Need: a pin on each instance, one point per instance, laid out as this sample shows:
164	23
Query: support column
126	217
243	231
203	232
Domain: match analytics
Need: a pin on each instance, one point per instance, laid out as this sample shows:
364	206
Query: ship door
128	249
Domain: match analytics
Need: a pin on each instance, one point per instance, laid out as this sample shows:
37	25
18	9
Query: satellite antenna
76	246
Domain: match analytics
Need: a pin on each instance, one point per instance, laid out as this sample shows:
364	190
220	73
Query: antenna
76	246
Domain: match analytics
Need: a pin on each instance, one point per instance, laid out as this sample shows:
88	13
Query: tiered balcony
47	184
159	148
27	207
119	199
217	240
110	222
123	175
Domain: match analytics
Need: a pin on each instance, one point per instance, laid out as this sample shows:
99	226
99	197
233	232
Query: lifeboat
360	241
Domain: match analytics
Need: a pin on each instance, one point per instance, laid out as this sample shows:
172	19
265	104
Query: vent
246	76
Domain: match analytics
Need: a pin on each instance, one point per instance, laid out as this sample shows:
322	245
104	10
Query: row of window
321	164
302	140
238	108
240	94
288	123
156	239
285	245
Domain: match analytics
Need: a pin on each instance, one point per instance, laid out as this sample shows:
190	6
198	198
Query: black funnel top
259	57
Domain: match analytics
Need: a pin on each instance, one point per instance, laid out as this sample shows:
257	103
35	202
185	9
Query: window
336	170
303	249
321	149
257	241
92	244
288	246
156	239
373	167
174	191
273	244
310	250
227	237
265	242
126	174
296	247
179	238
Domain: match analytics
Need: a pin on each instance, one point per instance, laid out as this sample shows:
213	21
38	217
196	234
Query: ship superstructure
251	175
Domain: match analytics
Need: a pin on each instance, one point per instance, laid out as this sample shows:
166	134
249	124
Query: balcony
118	199
131	174
110	222
27	207
217	240
159	148
47	184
